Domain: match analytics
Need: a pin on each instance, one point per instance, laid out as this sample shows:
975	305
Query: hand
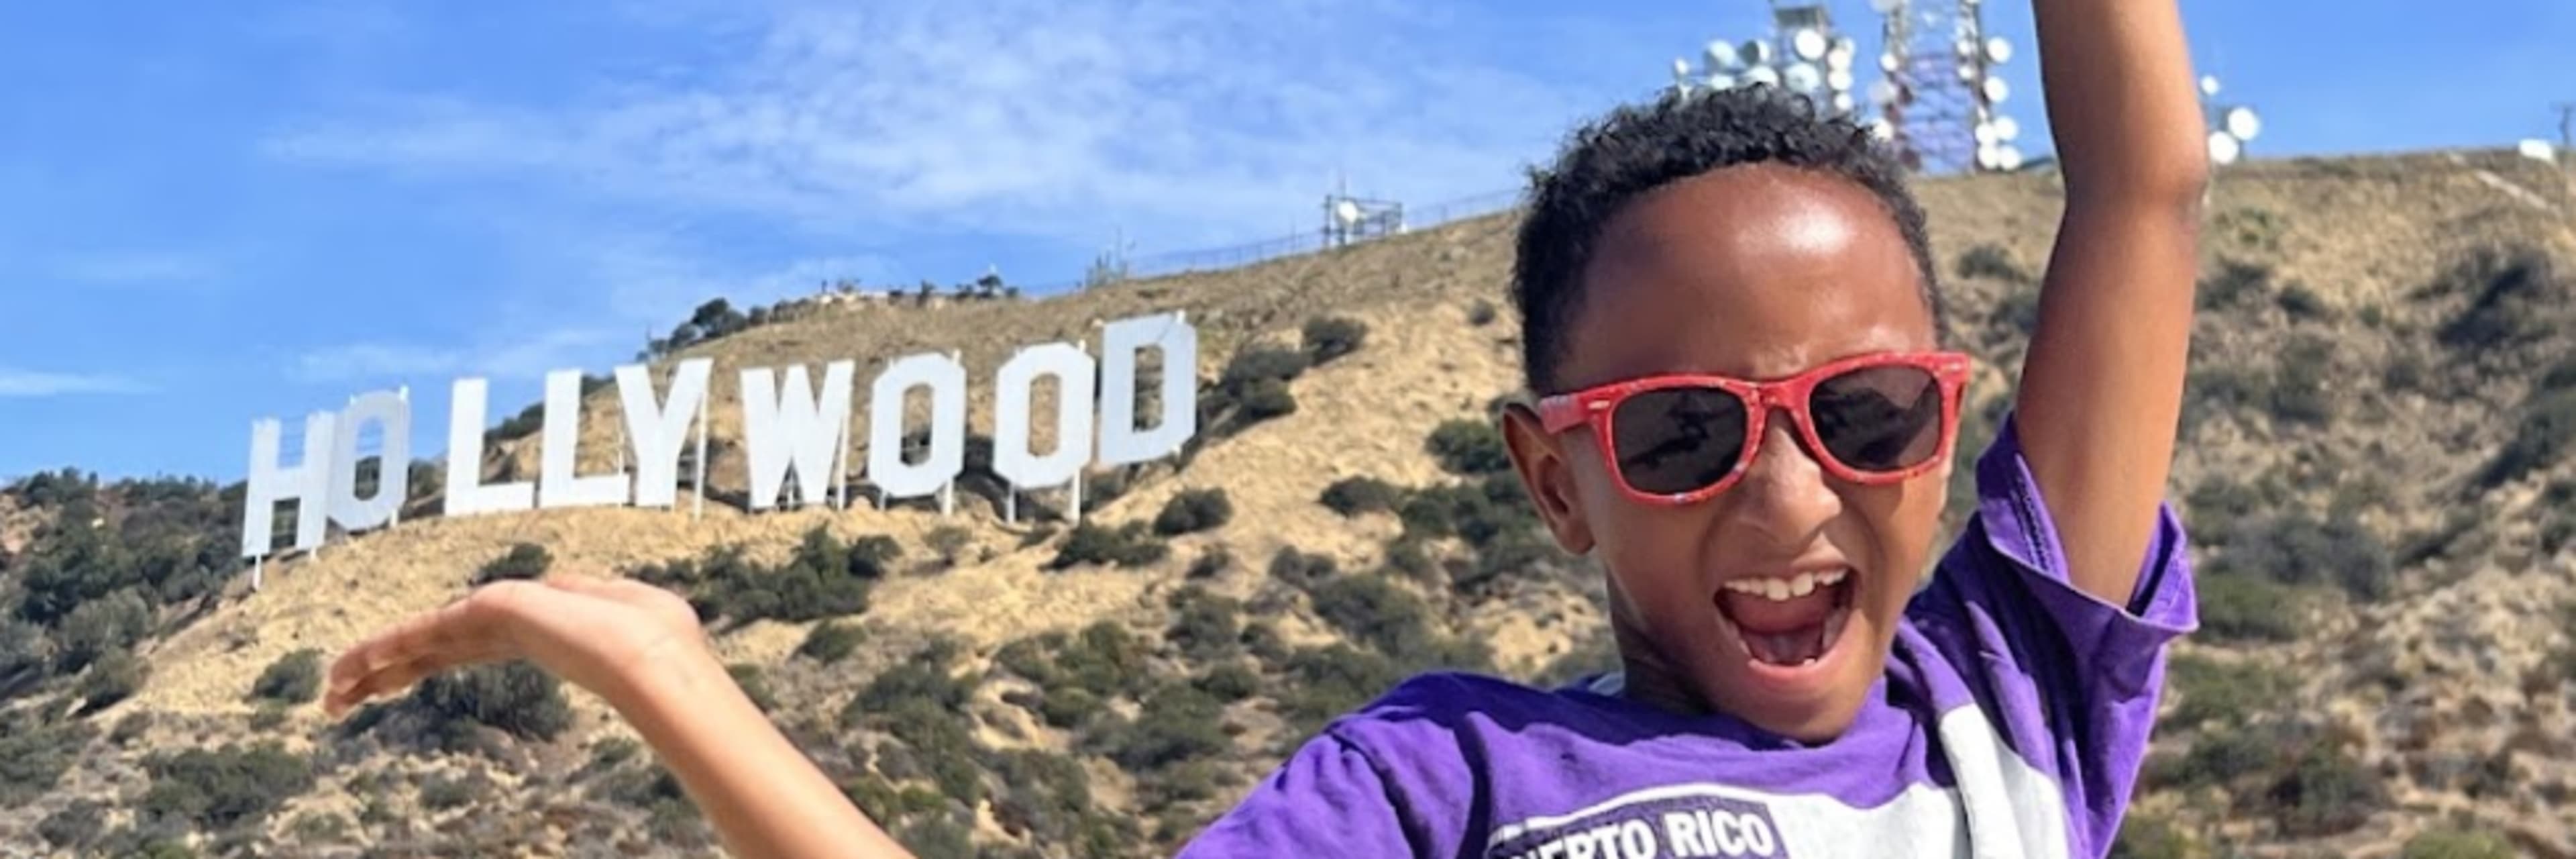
600	634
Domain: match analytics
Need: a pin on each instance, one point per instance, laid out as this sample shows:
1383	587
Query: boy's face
1755	272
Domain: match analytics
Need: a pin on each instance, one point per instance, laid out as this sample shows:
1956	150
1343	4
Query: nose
1783	494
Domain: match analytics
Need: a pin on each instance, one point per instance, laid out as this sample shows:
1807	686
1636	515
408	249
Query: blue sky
215	212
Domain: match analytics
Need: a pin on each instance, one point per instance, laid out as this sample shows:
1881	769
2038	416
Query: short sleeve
1329	799
2069	681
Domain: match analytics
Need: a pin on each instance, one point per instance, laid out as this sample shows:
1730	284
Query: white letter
560	456
1682	829
1011	404
947	383
1757	834
309	483
1120	442
783	426
1637	840
466	494
392	415
657	431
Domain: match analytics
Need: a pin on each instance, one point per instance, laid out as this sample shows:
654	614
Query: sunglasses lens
1676	440
1879	419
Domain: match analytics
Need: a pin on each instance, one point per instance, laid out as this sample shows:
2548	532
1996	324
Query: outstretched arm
641	648
2101	388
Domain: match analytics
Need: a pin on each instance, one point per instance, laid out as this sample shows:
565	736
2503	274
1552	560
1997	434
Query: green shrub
1230	682
1480	313
1375	612
1470	447
2302	303
1268	398
1175	723
1352	496
112	624
609	752
319	827
2515	292
1106	659
1253	366
755	685
1322	683
447	793
1212	561
2234	284
1991	261
1129	545
1299	569
293	679
113	678
130	728
2325	792
218	789
949	543
33	758
2144	837
73	826
830	642
2218	692
523	561
2456	844
1194	510
2244	608
2547	431
2300	549
1069	707
823	579
1331	337
2017	312
1204	625
516	698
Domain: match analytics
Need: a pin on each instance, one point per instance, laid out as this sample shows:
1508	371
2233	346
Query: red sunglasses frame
1595	406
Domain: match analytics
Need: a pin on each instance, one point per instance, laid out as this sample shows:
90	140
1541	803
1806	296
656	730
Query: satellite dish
2539	150
1838	59
1346	212
2007	128
1997	91
1757	52
1965	47
1880	128
2007	157
1839	80
1721	80
1846	46
1886	7
1722	55
2224	148
1882	92
1681	68
1890	62
2242	124
1985	134
1802	78
1998	50
1809	44
1967	72
2208	85
1988	157
1843	102
1762	76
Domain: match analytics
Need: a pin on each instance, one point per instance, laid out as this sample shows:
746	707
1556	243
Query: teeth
1830	578
1776	590
1803	585
1783	590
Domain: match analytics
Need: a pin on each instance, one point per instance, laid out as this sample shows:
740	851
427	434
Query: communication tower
2231	126
1941	103
1349	220
1803	54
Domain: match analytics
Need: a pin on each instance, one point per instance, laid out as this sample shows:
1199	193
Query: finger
475	626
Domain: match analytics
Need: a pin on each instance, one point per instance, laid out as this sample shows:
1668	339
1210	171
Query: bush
97	628
1253	366
1230	682
2217	692
523	561
2018	312
2547	431
1375	612
1069	707
2299	549
33	758
948	542
1174	724
2302	303
1331	337
113	678
1480	313
218	789
516	698
2455	844
2143	837
73	826
2325	792
1268	398
1470	447
2515	296
1129	545
1352	496
293	679
130	728
830	642
1301	570
447	793
1194	510
319	827
1205	625
2244	608
1991	261
2235	283
1212	561
825	578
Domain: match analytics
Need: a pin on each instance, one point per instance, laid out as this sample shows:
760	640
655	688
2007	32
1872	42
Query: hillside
2375	473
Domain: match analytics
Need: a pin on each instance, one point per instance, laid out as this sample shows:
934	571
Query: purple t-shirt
2010	723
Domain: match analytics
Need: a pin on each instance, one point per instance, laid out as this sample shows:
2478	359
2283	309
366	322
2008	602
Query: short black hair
1636	149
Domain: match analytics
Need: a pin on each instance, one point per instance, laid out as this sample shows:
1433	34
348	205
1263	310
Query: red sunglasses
1683	438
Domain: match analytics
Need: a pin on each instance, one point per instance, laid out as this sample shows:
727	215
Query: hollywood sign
792	433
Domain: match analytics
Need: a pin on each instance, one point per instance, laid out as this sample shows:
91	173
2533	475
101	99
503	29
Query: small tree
1331	337
949	542
1470	447
523	561
1194	510
1352	496
293	679
830	642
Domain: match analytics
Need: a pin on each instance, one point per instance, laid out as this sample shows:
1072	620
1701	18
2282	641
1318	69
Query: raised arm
2101	388
640	648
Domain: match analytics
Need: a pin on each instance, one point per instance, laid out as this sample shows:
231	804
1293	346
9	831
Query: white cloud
526	358
15	382
1190	123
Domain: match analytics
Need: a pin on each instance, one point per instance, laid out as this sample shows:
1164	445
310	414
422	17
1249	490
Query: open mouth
1788	621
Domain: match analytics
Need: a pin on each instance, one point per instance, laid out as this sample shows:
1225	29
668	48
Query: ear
1545	472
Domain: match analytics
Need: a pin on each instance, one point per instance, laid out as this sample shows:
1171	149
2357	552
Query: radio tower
1941	103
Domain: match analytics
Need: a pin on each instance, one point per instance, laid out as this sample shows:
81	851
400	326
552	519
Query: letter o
1014	392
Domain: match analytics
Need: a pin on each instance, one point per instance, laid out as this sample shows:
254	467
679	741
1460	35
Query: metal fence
1251	253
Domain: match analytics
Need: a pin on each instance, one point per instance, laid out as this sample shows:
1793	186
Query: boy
1731	323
